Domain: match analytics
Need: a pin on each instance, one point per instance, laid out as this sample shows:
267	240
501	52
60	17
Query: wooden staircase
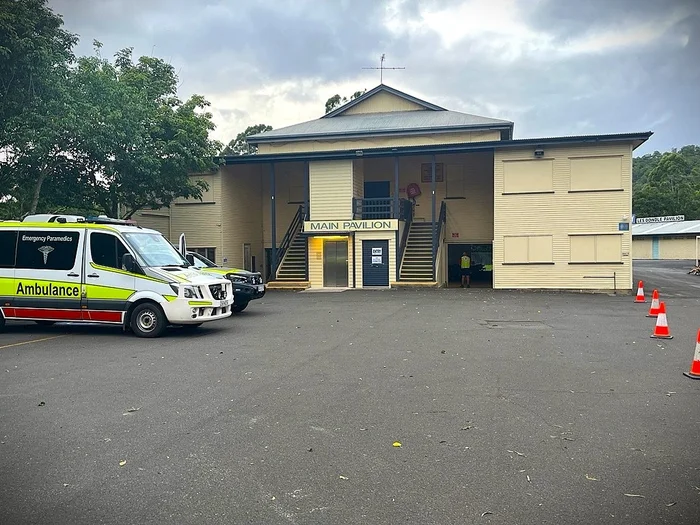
417	262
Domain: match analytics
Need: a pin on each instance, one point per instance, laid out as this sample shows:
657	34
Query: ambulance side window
8	241
107	250
47	250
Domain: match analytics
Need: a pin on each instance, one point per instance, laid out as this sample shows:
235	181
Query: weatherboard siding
550	227
315	261
382	102
394	141
155	220
241	186
677	248
331	190
200	221
287	178
358	178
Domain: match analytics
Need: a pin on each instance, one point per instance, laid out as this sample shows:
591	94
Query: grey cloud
218	48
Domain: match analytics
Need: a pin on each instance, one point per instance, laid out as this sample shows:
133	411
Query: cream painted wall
641	248
201	222
670	248
289	190
471	217
558	215
382	102
379	142
330	190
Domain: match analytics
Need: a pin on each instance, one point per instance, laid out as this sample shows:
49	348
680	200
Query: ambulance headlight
189	292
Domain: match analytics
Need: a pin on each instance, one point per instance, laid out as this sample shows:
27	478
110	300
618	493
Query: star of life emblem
45	251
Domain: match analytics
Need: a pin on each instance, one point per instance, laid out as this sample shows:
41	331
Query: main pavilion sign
366	225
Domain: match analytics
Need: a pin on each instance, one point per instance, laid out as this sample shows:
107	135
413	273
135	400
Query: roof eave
640	137
377	133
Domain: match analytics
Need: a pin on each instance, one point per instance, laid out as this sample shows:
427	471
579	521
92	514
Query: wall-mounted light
539	153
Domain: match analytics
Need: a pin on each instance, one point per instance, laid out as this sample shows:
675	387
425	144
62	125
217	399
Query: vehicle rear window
8	248
47	250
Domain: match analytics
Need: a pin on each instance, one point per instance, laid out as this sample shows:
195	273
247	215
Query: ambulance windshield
155	250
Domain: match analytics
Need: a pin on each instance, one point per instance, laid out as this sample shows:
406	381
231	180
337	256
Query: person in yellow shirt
466	265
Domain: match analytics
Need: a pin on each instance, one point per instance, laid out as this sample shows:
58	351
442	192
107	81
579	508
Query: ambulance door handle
73	274
94	275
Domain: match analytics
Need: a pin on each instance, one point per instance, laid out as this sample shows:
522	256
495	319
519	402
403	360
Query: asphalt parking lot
509	408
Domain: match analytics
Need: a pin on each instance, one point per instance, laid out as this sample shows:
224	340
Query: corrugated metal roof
667	228
378	123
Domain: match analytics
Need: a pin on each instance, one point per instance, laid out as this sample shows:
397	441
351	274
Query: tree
35	110
240	146
671	187
336	101
140	143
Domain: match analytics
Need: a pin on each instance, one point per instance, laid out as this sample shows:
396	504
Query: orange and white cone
661	330
640	293
695	365
654	308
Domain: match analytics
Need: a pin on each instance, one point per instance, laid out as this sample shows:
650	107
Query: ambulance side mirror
129	263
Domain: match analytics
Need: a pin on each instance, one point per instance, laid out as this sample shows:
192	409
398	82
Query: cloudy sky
554	67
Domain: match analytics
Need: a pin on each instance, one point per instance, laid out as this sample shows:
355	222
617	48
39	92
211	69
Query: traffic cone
640	293
661	330
695	365
654	308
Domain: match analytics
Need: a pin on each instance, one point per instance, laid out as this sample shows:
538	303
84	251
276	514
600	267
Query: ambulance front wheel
148	320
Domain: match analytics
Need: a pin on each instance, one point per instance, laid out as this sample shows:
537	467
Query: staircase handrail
294	227
406	214
437	235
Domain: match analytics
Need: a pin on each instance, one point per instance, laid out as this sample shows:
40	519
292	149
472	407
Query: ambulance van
101	270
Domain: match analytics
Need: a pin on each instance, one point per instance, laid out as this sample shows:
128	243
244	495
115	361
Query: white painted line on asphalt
32	341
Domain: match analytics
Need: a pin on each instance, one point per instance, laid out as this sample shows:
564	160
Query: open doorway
481	264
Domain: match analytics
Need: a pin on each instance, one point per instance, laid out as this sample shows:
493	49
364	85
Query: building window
595	249
596	174
47	250
454	187
527	249
528	176
209	253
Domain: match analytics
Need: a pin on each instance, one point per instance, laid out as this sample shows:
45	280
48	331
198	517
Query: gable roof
381	124
335	124
386	89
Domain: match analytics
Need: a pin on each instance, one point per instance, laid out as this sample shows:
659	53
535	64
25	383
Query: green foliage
667	183
240	146
336	101
89	134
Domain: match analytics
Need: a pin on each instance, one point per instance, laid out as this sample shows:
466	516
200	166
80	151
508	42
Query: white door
108	284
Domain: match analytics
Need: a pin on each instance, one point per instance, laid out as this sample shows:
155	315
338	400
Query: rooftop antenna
381	68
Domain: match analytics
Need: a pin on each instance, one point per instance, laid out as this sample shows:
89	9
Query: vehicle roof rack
103	219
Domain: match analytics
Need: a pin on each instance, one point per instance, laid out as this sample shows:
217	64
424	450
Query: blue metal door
654	247
375	263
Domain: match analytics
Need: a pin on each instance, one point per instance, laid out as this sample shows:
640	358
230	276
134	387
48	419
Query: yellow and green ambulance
101	270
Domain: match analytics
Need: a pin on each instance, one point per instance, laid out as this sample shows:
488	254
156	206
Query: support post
397	214
432	187
273	226
307	211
